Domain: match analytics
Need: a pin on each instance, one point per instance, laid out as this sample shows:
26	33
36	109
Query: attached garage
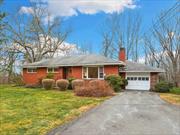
140	76
138	81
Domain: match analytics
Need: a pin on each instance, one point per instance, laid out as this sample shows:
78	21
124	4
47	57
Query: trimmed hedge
115	82
62	84
95	88
48	83
77	83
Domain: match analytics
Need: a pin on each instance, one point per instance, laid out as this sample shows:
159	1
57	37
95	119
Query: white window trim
52	68
88	72
99	72
31	72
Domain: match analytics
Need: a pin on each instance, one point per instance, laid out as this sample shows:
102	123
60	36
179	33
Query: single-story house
139	76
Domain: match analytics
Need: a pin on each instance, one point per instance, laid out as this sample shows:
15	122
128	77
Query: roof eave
71	65
143	71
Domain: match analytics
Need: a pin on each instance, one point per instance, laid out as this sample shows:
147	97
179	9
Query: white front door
138	81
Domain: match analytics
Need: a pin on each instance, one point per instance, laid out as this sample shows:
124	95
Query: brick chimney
122	54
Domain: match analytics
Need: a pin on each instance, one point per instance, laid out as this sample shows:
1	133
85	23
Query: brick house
140	77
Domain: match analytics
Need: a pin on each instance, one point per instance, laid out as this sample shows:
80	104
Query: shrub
171	85
115	81
48	83
62	84
50	76
95	88
77	83
70	83
124	83
175	90
17	79
162	87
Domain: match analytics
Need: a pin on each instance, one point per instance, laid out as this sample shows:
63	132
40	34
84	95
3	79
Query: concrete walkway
132	113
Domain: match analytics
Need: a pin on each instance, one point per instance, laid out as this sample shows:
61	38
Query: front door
66	72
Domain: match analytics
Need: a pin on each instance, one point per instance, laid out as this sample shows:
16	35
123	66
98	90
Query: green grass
35	111
175	90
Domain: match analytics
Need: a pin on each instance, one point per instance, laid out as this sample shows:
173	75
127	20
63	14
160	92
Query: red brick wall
154	78
77	72
33	78
113	69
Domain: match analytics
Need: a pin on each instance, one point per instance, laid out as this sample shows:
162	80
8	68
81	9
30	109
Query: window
139	78
31	70
93	72
143	78
147	78
52	70
101	72
128	78
132	78
135	78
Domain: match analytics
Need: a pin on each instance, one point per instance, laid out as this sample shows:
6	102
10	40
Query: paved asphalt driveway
132	113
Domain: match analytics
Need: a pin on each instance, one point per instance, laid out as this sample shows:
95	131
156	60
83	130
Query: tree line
160	44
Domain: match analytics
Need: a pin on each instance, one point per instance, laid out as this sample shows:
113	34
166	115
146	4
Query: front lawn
172	97
36	111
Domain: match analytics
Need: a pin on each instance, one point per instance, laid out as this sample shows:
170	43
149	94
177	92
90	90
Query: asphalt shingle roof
138	67
77	60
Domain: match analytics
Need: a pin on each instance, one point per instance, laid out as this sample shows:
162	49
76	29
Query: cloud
67	49
26	10
66	8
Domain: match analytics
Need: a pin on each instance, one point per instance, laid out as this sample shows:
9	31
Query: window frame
87	72
100	72
33	71
53	70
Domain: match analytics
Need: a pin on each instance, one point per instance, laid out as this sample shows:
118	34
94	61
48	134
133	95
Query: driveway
130	113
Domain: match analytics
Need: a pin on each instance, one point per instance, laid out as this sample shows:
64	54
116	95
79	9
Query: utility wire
173	11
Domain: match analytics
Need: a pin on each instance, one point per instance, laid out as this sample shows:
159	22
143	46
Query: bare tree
163	46
85	48
122	31
7	61
108	36
41	36
2	24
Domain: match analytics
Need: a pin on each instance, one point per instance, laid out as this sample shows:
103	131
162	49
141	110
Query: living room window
93	72
52	70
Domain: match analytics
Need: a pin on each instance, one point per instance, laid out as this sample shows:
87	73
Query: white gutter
30	66
142	71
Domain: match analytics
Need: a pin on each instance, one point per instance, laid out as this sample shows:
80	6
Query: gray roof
76	60
138	67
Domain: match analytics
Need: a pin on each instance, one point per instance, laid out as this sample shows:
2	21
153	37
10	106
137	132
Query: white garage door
138	81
